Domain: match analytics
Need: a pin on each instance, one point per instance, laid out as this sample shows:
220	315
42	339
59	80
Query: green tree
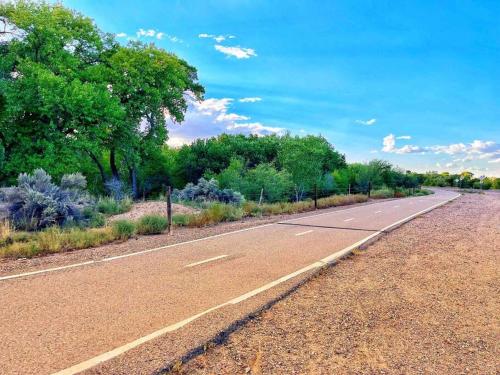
308	159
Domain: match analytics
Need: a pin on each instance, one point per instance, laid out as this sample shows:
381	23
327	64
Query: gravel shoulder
423	299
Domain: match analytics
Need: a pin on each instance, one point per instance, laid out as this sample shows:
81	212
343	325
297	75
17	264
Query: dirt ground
422	300
150	208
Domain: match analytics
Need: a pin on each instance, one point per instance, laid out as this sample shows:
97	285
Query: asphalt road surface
71	319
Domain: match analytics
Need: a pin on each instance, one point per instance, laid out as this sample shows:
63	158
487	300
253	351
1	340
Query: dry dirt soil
422	300
150	208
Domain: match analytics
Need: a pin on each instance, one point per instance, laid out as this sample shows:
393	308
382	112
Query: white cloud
231	117
404	137
178	141
238	52
149	32
452	149
250	100
211	117
369	122
256	128
121	35
210	106
217	38
152	33
389	145
497	160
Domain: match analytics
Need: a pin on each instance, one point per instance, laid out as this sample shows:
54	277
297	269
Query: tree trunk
99	166
133	181
112	164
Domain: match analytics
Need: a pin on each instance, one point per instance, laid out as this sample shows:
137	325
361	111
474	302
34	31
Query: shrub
382	193
123	229
152	224
181	220
94	218
112	206
37	203
207	191
215	213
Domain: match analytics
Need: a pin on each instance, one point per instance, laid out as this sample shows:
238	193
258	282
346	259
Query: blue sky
413	82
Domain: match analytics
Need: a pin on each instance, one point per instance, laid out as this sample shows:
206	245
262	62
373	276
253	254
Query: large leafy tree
50	112
71	97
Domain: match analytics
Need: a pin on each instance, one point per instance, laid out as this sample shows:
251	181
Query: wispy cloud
121	35
476	150
257	128
369	122
214	116
250	100
238	52
231	117
152	33
217	38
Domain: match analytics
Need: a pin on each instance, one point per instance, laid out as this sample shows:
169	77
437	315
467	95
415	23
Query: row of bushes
398	193
16	244
220	212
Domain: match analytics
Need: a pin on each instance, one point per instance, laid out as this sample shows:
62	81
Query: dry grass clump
220	212
341	200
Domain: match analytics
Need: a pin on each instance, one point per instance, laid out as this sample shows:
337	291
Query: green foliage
111	206
275	185
123	229
152	224
73	99
308	159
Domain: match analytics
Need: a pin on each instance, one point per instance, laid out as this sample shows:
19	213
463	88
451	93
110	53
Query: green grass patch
152	224
110	206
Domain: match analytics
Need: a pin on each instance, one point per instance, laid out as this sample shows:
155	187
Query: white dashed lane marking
302	233
205	261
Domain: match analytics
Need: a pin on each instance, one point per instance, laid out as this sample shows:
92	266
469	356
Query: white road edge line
302	233
349	219
54	269
205	261
173	327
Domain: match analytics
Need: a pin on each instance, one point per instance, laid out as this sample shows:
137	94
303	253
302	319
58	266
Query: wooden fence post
169	209
315	196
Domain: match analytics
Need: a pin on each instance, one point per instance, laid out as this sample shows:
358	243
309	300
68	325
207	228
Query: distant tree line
461	180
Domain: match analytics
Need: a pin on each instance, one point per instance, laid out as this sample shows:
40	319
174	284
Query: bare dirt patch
141	209
422	300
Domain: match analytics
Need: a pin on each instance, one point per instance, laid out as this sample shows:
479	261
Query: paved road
71	319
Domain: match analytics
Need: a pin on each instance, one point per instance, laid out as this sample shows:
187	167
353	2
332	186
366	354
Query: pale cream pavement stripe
328	260
302	233
205	261
349	219
377	212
